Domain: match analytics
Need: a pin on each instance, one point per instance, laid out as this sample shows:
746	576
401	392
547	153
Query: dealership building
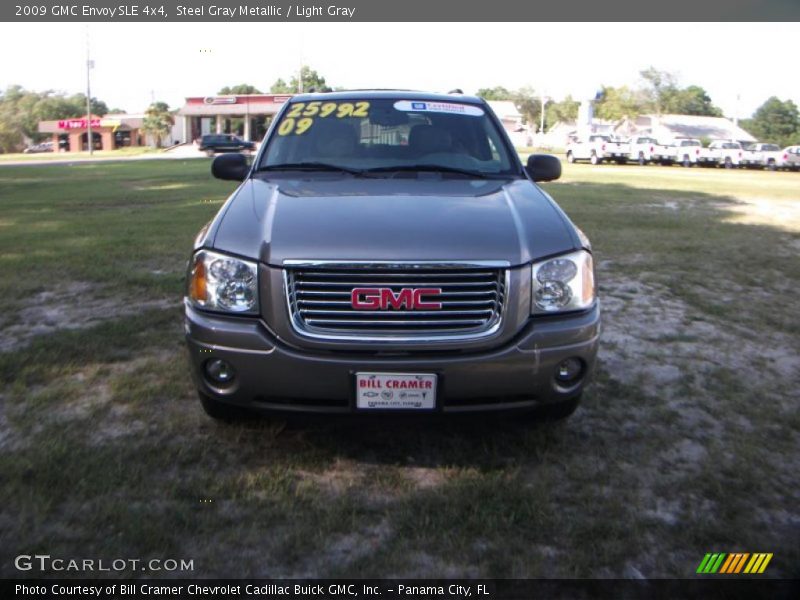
247	115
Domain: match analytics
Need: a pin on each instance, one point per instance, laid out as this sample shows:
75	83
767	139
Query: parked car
726	154
596	149
37	148
224	142
762	155
790	158
387	252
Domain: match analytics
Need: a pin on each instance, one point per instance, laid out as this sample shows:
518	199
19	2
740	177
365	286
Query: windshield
382	134
690	143
770	148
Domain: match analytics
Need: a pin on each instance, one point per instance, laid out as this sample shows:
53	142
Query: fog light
569	370
219	371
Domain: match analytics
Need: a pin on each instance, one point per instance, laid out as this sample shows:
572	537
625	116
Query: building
109	132
247	115
665	128
511	119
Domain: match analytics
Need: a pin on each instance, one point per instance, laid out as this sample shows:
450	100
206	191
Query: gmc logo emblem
385	299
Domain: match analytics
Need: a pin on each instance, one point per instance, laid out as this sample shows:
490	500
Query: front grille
472	300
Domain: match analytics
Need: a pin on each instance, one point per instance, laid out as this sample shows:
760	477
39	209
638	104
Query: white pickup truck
762	155
640	149
596	149
687	151
727	154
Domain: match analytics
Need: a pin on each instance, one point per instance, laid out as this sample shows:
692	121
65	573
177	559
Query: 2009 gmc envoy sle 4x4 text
387	252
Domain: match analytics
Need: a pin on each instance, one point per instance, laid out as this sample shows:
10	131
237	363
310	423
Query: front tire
728	163
594	159
642	162
686	162
570	158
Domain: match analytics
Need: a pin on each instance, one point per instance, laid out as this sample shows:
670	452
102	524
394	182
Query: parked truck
596	148
640	149
761	155
726	154
387	252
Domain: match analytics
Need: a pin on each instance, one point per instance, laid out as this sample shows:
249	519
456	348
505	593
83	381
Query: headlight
224	283
563	284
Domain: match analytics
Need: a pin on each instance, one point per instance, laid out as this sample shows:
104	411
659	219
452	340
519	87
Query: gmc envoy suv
387	252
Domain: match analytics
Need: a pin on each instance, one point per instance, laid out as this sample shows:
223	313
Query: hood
358	219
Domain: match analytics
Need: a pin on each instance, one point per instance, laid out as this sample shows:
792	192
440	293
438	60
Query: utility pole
89	67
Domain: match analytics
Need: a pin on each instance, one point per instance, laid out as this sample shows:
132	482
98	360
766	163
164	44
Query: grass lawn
688	441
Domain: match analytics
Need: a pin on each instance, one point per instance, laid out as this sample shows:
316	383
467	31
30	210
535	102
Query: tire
642	162
771	166
594	159
570	158
220	411
728	164
686	163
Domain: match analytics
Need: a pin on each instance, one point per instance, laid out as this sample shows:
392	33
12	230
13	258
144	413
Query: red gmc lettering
385	299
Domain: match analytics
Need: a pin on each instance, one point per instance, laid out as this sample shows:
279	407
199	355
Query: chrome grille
472	300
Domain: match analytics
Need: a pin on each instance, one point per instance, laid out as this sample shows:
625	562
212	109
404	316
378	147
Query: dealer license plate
395	391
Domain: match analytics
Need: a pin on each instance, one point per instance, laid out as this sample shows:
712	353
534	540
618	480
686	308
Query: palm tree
158	121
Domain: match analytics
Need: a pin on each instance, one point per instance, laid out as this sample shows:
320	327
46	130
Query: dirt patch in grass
74	305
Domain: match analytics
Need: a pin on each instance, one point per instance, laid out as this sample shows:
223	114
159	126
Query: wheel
594	159
686	162
642	162
771	166
728	164
220	410
570	158
621	161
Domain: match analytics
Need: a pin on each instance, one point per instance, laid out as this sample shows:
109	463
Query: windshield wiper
431	168
309	166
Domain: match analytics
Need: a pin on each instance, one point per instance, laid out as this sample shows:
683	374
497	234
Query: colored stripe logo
734	563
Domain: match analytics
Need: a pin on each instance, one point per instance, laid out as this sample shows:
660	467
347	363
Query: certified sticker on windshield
439	107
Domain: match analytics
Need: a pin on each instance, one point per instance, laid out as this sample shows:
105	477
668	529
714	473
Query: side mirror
230	166
543	167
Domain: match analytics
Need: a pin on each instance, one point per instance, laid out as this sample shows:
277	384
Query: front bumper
273	376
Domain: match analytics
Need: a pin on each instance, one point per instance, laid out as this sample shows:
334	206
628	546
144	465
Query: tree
663	95
692	100
496	93
617	103
776	121
158	121
564	110
312	81
528	104
242	88
660	87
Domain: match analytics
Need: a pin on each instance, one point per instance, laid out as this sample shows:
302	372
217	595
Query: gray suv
387	252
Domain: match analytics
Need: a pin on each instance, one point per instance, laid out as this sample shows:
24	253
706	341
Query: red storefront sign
77	123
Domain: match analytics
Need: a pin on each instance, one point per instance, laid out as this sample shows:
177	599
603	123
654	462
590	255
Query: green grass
686	443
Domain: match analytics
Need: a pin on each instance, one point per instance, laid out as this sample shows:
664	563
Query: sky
739	64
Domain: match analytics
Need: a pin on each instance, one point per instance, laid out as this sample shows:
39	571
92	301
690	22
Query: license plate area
395	391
